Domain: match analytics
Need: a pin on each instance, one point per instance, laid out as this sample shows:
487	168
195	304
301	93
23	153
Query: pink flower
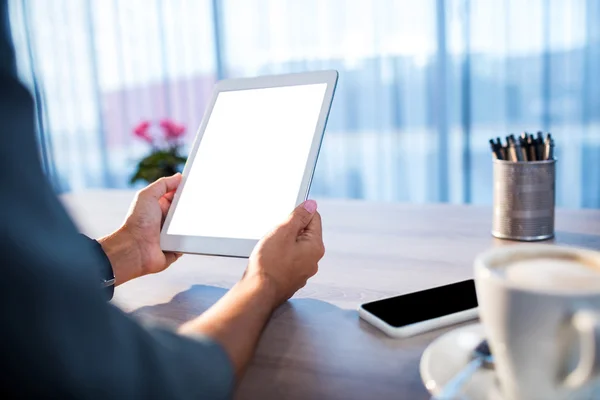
141	131
172	130
177	130
166	123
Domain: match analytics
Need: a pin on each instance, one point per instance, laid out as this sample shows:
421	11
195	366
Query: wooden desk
315	346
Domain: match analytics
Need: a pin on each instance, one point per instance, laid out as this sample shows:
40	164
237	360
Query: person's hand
134	249
280	264
288	256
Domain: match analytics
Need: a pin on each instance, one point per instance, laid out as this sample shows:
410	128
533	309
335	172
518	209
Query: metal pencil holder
524	200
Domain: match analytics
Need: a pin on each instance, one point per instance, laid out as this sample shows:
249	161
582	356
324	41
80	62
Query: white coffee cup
540	307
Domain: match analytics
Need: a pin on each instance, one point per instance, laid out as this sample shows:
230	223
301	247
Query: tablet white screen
249	165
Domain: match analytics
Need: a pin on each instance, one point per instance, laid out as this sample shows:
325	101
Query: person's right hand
288	256
280	264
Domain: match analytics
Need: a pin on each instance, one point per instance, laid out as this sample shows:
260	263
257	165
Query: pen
523	143
524	146
540	146
524	135
501	148
495	150
507	156
531	146
518	149
509	150
514	150
549	148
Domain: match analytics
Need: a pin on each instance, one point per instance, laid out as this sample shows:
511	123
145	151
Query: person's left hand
134	249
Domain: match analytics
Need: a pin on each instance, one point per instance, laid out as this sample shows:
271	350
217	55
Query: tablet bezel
243	247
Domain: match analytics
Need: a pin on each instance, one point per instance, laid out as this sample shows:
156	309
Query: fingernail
310	206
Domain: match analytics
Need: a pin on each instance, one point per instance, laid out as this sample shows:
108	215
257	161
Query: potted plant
165	158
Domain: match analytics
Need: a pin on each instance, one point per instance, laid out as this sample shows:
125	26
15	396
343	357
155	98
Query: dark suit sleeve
106	269
58	336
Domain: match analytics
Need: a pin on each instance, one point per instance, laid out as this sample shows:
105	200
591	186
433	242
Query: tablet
251	163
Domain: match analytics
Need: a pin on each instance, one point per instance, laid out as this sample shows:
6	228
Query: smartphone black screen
421	306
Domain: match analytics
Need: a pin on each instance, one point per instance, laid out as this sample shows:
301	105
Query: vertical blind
423	85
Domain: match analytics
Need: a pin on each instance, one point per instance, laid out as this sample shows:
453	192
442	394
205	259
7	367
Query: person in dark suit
60	338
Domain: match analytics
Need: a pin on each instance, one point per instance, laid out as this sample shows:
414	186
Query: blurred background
423	85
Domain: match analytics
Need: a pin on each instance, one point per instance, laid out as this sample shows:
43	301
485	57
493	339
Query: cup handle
587	325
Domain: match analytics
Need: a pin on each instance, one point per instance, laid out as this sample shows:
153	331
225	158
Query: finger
312	238
165	202
169	196
301	217
171	257
164	206
164	209
315	226
162	186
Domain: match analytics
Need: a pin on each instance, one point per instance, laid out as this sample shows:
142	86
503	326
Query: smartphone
418	312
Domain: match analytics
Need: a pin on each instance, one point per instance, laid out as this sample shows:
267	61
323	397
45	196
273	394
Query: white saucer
450	353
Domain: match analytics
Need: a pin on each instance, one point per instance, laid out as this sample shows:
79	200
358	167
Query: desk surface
315	346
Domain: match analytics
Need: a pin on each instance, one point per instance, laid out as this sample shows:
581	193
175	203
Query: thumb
162	186
302	215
